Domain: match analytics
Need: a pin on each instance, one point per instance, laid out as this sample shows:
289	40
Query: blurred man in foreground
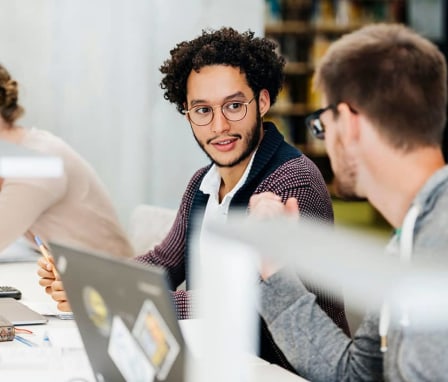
383	115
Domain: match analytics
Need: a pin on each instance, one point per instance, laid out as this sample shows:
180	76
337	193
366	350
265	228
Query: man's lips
223	140
226	144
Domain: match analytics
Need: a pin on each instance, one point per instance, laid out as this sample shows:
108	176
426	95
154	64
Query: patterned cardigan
277	167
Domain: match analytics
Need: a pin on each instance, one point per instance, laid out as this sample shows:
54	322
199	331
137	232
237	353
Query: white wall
88	71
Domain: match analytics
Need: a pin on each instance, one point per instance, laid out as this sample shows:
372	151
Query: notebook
18	313
125	316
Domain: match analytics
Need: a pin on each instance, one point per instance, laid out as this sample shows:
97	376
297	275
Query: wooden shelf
334	28
288	26
298	109
297	68
305	27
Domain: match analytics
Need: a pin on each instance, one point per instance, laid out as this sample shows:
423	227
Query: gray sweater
320	351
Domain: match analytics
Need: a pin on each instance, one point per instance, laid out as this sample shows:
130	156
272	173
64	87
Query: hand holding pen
50	279
44	251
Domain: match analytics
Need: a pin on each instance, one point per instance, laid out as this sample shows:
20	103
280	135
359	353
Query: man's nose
219	123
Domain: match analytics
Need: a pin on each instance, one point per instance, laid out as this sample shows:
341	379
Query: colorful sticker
96	310
127	355
156	339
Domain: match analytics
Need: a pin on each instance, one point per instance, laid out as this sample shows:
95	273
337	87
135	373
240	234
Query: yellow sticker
96	310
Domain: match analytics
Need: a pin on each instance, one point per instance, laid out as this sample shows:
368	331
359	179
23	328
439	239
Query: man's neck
230	176
393	191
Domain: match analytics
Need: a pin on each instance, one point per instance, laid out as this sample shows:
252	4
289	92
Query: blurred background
88	71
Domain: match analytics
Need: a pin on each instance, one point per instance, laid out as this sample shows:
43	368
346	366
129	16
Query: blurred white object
148	226
18	162
226	273
339	257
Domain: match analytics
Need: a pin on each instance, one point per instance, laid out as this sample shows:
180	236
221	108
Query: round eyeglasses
202	115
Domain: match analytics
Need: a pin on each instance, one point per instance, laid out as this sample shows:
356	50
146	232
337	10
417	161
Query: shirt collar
212	181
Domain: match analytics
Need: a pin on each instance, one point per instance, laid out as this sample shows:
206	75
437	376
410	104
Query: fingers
58	286
260	198
46	275
52	283
46	282
45	267
269	205
265	205
45	272
58	294
268	268
292	207
64	306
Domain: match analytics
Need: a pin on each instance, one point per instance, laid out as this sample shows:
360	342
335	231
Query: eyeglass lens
317	128
233	111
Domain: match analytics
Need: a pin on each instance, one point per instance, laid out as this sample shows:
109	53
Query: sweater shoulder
300	171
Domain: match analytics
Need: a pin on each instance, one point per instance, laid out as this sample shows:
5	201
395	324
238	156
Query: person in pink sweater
74	209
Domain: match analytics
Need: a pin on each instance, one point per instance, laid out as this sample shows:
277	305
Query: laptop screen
125	316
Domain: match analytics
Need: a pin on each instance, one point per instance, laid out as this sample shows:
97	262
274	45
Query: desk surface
65	359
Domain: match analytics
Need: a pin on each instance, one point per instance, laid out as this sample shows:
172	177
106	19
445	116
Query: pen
44	252
25	341
47	340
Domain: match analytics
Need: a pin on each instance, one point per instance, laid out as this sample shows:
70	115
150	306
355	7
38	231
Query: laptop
19	314
125	316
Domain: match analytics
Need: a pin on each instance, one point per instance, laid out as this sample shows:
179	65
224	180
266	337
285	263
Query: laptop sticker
156	339
96	310
127	355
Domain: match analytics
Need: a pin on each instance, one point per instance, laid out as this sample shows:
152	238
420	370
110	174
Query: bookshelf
303	30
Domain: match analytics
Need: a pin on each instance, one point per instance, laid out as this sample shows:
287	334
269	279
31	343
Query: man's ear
264	102
349	122
186	114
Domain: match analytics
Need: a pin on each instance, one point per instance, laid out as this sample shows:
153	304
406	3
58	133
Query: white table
68	362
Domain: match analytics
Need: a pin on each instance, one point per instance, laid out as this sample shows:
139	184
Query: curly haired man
224	82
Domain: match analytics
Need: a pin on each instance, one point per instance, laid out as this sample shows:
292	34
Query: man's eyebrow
227	98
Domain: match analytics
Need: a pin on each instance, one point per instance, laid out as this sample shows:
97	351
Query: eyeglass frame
213	107
318	130
314	123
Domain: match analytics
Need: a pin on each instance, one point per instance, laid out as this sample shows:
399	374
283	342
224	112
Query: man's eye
202	110
233	106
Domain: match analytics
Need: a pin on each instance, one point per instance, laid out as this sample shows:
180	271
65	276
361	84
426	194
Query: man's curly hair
254	56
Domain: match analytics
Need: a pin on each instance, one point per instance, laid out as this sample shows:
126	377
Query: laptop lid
125	316
18	313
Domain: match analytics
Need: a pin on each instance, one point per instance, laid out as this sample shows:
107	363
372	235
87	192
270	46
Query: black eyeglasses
202	115
314	123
